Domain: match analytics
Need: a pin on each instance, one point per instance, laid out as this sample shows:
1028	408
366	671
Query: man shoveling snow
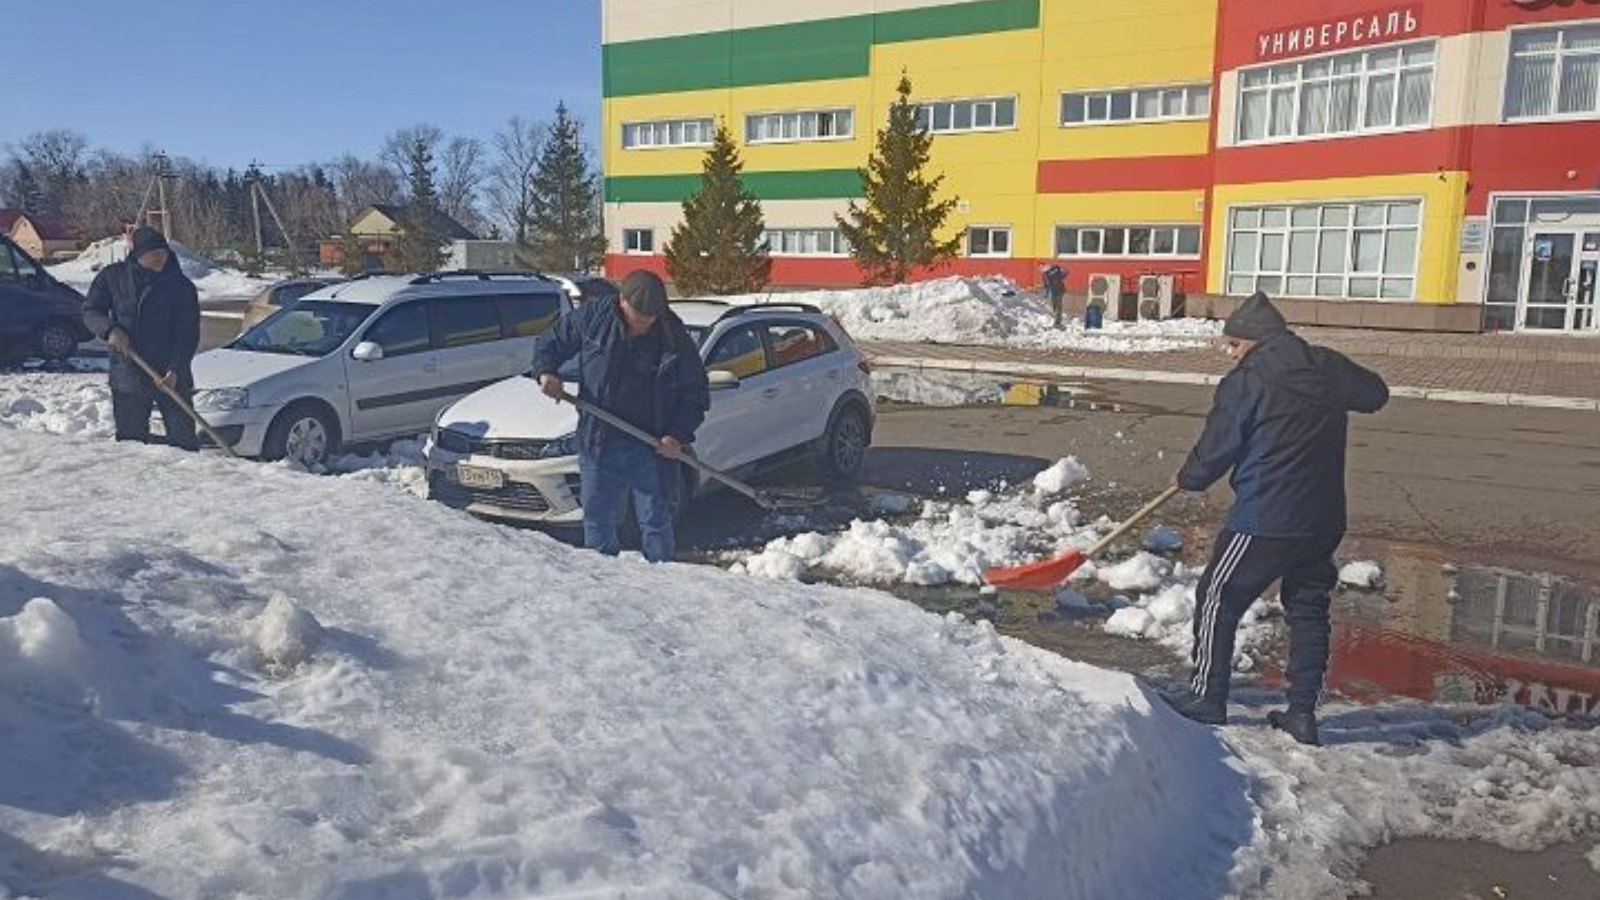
1280	423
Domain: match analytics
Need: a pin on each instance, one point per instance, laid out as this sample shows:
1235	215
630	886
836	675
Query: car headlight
566	445
221	400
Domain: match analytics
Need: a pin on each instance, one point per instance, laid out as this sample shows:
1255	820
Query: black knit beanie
1256	319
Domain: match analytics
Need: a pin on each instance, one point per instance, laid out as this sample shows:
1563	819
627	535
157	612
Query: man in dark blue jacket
1280	423
145	303
635	360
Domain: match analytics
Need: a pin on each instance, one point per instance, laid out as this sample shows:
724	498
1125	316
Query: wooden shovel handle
1137	517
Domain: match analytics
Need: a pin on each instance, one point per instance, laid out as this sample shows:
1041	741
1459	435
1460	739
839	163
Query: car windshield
306	328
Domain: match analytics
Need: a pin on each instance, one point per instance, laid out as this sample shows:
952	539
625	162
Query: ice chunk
891	504
41	653
1141	572
284	636
1164	539
1130	621
1064	474
1361	574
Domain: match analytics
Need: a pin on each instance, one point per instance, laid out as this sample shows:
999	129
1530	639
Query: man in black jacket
637	361
145	303
1280	423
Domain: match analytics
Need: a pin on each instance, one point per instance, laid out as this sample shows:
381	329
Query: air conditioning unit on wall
1158	298
1104	290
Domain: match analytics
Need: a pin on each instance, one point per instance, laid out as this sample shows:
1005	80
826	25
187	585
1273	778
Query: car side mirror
722	380
367	351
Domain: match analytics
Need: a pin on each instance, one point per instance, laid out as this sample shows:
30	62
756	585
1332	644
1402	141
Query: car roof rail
734	311
478	275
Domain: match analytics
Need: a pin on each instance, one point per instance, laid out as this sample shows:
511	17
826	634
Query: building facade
1427	164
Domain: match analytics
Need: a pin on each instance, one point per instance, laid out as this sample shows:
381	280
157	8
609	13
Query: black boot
1302	726
1205	710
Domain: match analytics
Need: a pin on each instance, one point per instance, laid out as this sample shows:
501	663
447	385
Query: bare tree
360	184
309	205
55	160
461	178
511	192
399	148
111	193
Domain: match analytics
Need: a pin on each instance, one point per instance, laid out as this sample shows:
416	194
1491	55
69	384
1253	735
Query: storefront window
1365	250
1555	73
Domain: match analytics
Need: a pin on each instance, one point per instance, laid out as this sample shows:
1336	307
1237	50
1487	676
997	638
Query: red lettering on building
1349	31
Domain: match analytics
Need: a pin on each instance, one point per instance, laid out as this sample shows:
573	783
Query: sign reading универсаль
1356	30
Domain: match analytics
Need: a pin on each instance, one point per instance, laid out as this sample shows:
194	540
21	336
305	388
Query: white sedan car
787	383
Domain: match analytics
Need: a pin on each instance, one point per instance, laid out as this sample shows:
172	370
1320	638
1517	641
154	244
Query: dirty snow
989	310
1361	574
948	543
490	714
214	283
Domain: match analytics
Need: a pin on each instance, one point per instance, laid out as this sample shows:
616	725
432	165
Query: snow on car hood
224	368
514	409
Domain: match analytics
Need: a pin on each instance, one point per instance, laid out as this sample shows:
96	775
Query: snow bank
988	310
214	283
949	543
491	714
1361	574
41	652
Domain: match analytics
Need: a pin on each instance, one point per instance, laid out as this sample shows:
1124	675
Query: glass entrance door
1586	309
1551	271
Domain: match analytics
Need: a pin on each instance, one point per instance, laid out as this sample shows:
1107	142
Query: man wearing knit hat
146	304
1280	424
637	361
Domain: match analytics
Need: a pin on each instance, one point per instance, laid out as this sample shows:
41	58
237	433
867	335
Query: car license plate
475	477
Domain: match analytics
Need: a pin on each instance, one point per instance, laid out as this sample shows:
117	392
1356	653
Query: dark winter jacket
160	311
594	334
1055	281
1280	422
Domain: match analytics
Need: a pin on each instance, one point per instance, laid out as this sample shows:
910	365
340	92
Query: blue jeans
626	465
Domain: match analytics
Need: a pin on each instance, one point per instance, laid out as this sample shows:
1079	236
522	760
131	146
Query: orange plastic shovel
1049	573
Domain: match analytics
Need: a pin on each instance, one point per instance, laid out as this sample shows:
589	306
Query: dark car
39	316
274	298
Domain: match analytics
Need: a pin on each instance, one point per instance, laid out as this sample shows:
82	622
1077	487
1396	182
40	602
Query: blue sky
292	81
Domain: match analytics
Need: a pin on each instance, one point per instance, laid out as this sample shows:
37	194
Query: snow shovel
1044	575
178	399
769	500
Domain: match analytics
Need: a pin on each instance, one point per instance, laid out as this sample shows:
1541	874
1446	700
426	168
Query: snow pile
949	543
57	404
401	464
214	283
1362	573
41	653
989	310
1510	778
490	714
284	636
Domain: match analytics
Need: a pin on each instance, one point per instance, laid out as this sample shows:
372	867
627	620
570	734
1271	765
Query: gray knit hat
645	292
1256	319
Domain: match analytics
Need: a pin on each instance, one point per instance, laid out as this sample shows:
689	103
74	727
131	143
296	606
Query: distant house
46	238
380	226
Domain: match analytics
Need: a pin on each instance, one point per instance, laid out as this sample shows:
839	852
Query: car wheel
55	341
844	448
305	433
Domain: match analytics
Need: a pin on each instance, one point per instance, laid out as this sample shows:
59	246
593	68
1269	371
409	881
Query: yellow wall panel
1443	196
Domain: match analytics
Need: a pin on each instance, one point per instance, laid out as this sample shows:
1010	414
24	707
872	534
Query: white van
371	359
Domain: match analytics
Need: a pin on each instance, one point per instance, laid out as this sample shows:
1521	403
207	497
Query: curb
1041	370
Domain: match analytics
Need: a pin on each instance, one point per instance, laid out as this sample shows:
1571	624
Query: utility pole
158	187
258	198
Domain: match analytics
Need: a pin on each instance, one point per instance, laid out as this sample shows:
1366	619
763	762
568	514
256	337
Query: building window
819	125
1367	91
639	240
670	133
988	241
1146	104
805	242
1555	73
957	116
1151	241
1360	250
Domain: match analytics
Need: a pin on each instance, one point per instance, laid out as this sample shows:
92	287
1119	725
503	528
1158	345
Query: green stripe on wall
823	184
805	51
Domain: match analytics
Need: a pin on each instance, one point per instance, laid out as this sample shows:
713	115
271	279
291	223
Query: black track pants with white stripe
1242	568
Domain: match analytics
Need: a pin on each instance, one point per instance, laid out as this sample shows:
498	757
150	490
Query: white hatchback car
372	359
786	383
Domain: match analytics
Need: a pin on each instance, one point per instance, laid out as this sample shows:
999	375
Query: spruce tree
564	229
353	251
419	249
718	248
897	230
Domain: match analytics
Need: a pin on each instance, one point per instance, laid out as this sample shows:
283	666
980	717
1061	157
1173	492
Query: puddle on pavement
948	390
